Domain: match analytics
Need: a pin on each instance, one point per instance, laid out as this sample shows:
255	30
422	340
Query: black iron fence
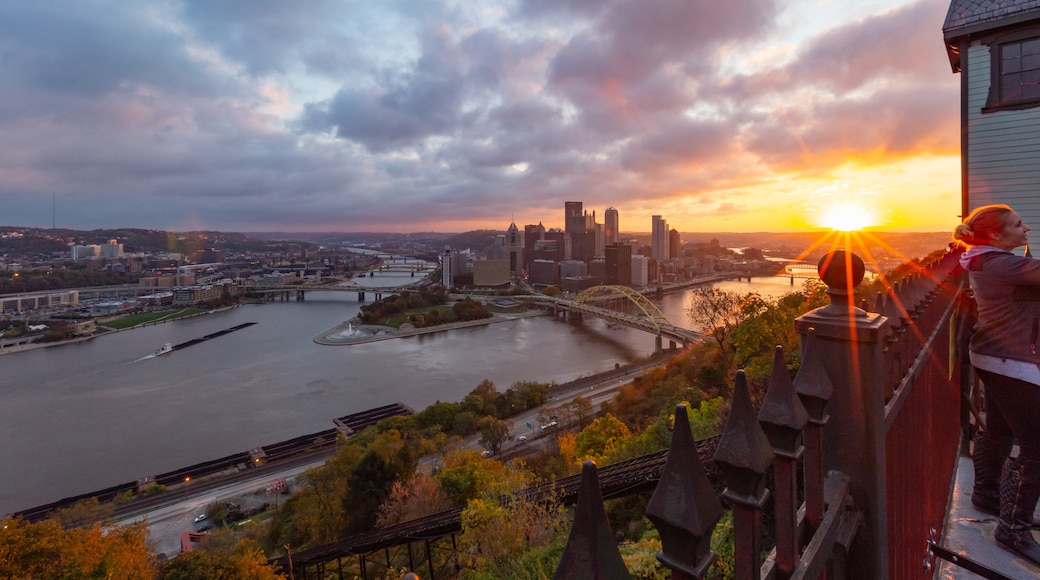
872	421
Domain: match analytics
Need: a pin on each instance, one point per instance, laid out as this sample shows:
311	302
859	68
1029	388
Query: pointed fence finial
684	507
744	453
812	383
782	415
591	552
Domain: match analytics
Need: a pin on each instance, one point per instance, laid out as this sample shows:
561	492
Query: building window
1015	71
1020	71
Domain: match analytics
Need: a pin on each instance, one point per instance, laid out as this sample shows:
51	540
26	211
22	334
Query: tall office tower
618	264
532	233
640	270
447	268
659	239
561	240
674	244
611	235
574	228
514	248
601	240
574	219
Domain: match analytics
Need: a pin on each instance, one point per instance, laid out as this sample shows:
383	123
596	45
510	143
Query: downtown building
611	233
659	239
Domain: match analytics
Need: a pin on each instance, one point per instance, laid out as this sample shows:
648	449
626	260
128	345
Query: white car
522	438
200	518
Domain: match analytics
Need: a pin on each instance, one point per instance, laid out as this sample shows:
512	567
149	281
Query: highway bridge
651	320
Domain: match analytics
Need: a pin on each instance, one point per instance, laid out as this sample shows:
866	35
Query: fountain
351	332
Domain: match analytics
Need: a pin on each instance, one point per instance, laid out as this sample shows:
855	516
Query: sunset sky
434	115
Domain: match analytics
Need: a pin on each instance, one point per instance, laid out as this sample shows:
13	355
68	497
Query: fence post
684	507
744	455
850	343
814	388
783	417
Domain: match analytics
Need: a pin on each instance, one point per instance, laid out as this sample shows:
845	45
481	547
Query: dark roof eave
951	35
954	36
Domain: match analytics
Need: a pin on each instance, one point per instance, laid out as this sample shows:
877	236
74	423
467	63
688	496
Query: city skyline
747	116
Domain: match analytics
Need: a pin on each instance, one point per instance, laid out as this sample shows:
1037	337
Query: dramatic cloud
355	115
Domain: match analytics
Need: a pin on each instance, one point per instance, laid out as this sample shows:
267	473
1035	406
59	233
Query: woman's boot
1019	491
988	456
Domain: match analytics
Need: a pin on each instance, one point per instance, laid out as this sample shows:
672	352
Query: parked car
200	518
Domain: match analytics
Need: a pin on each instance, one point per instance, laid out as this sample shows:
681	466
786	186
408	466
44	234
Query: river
84	416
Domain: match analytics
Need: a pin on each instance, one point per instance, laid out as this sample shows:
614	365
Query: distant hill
38	241
44	242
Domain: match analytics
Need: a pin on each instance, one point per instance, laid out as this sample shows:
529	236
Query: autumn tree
601	439
413	498
83	513
466	475
43	550
716	313
242	564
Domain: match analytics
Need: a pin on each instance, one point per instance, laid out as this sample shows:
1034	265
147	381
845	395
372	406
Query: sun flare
847	217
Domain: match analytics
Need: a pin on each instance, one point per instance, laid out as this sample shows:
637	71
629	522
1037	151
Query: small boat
164	349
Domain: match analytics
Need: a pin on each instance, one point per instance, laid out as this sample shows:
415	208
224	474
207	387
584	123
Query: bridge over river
650	319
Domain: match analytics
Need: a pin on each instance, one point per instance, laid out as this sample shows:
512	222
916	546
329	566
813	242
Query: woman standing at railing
1004	353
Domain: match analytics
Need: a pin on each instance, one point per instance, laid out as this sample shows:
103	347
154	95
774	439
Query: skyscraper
674	244
659	239
574	219
515	248
532	233
619	264
611	235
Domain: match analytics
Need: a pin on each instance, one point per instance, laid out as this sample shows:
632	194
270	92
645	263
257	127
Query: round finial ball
411	576
835	267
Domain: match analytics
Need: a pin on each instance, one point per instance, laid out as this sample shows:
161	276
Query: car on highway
199	518
522	438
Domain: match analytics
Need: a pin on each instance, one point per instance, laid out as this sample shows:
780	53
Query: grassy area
397	320
150	317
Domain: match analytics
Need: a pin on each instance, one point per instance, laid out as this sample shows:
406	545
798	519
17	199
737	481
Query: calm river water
85	416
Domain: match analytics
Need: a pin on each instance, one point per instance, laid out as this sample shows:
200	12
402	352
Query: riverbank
346	333
108	331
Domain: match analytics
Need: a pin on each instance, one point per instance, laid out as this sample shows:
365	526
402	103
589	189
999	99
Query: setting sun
847	217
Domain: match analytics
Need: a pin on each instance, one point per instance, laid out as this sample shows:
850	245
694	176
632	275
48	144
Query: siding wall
1003	148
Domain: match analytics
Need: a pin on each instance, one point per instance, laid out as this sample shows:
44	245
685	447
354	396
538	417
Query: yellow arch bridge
652	320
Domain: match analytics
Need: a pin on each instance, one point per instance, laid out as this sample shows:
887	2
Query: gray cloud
353	115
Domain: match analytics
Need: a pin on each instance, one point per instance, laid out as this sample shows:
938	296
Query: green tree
582	411
767	324
493	433
466	475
